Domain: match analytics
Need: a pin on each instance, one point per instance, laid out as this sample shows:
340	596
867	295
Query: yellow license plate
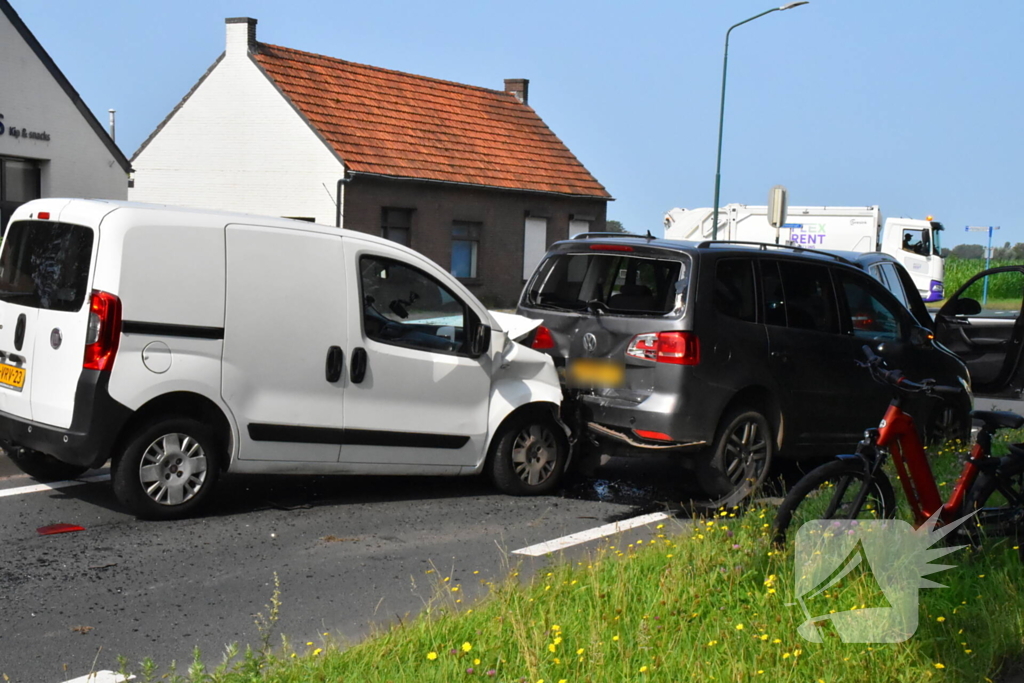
595	372
12	377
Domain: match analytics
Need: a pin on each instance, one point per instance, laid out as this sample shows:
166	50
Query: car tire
168	470
42	466
739	459
529	455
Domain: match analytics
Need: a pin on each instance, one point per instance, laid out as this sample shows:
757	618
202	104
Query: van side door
417	397
284	331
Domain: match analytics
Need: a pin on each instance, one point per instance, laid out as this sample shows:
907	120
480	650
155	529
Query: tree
614	226
967	251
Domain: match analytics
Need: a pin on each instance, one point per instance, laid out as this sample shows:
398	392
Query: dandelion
317	651
712	643
580	651
556	627
455	589
310	643
941	619
937	665
785	655
643	669
293	654
776	641
764	636
558	640
615	638
551	647
739	627
466	647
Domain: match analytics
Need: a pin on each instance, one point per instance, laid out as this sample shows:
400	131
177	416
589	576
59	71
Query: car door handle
357	366
335	361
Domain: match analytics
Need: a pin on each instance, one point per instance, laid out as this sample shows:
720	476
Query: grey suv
726	354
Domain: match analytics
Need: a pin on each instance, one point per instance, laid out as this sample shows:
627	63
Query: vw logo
589	342
56	338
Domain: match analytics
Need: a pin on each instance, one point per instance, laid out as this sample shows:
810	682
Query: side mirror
920	337
965	307
480	341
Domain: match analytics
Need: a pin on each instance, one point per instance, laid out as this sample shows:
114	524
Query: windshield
623	283
46	265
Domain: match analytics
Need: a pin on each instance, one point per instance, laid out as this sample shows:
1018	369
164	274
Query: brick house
470	177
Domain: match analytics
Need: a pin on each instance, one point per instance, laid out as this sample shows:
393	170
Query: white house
51	145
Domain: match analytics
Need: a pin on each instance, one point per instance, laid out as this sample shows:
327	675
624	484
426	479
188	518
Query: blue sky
913	105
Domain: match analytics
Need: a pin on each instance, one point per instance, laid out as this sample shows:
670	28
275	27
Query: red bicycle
855	486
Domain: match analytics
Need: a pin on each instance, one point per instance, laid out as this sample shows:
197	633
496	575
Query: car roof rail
765	246
620	235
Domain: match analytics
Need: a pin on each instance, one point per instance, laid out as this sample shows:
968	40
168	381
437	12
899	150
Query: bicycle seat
998	419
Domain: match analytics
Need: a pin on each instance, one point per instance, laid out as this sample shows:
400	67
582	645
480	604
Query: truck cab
916	244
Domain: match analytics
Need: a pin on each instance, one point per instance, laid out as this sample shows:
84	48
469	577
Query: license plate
595	373
12	377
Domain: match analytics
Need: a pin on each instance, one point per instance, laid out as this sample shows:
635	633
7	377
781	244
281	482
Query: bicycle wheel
998	498
830	492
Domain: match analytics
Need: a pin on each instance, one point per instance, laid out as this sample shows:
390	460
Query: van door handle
335	360
357	366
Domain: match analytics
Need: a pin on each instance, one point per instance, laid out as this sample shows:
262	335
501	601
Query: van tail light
104	331
542	339
677	348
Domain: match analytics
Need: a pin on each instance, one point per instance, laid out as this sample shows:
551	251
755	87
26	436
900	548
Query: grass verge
702	602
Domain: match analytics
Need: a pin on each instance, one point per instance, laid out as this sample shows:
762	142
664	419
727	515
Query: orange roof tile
398	124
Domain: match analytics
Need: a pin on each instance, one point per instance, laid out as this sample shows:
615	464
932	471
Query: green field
959	271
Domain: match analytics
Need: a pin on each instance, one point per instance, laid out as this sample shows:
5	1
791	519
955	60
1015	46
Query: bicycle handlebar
895	378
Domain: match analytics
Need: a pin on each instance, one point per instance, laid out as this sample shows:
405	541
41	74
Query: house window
465	245
396	225
535	241
19	183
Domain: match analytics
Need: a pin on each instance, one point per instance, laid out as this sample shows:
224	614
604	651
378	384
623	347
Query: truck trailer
913	242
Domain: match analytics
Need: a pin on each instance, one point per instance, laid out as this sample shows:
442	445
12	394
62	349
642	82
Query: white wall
80	165
238	145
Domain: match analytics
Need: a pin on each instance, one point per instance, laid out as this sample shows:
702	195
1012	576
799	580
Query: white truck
913	242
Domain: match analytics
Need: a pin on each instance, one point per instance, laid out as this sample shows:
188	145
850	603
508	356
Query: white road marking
101	677
36	488
590	534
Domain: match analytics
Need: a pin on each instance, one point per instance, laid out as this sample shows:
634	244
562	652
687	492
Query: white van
182	344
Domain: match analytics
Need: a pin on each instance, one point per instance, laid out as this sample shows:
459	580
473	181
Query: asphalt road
349	552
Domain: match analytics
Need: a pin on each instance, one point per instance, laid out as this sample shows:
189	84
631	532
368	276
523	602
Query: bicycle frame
898	433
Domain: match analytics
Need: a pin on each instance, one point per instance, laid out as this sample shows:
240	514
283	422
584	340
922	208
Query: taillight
104	331
610	247
677	348
542	339
653	436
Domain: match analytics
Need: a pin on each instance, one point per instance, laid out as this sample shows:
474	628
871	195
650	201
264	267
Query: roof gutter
478	186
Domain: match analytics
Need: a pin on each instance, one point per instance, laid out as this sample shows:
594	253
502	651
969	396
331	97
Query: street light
721	112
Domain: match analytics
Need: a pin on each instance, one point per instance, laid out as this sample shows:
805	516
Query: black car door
981	323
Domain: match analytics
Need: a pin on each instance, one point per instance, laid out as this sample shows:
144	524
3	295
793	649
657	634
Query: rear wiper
597	307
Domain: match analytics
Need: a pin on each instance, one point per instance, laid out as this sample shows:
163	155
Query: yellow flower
643	669
317	651
551	647
785	655
558	640
556	627
615	637
941	619
579	651
455	589
764	636
476	662
293	654
309	643
712	643
466	647
739	627
939	666
776	641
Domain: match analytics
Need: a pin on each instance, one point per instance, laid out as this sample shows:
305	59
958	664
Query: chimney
520	87
112	112
241	36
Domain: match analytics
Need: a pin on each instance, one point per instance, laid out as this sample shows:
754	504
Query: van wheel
529	456
168	470
42	466
740	459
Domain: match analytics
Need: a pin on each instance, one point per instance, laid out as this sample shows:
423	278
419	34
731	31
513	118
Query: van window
800	296
734	289
46	265
622	284
406	307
